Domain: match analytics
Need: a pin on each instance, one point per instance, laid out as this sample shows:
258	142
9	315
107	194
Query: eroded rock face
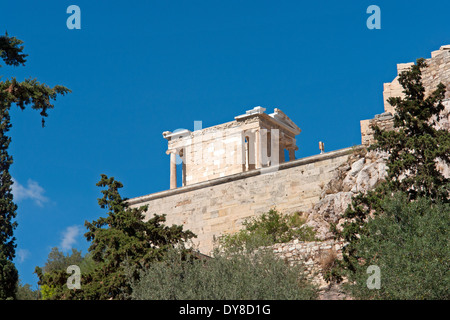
360	174
332	205
369	175
363	172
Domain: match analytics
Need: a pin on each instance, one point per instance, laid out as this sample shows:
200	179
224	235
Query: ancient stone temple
253	140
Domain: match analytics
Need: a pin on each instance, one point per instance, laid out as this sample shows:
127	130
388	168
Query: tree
242	266
120	240
55	270
58	261
228	275
409	243
8	273
39	97
414	148
24	292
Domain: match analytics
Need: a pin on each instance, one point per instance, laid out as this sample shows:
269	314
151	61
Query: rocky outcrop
363	171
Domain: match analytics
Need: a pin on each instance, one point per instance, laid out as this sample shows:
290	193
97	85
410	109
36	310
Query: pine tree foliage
123	237
119	241
408	242
39	97
57	260
8	272
416	145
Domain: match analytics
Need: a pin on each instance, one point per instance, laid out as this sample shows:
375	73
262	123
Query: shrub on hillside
237	275
269	228
409	243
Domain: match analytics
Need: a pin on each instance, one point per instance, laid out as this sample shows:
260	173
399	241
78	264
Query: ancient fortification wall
219	206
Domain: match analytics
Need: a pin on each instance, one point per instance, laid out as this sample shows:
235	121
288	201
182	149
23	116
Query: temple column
258	149
291	154
281	154
173	168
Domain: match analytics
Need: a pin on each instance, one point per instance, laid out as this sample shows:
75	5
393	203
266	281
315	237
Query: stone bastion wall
218	206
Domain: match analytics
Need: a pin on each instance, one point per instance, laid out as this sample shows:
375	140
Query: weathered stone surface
357	166
360	175
330	207
314	256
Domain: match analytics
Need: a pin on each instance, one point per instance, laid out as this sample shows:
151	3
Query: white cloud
22	254
69	237
32	191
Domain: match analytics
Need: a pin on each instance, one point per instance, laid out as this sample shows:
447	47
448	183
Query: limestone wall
437	70
219	206
316	256
384	121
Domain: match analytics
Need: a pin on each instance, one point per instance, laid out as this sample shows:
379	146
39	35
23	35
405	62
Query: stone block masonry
314	256
384	121
219	206
437	71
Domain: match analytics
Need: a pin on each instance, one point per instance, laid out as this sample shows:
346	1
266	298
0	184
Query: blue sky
138	68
